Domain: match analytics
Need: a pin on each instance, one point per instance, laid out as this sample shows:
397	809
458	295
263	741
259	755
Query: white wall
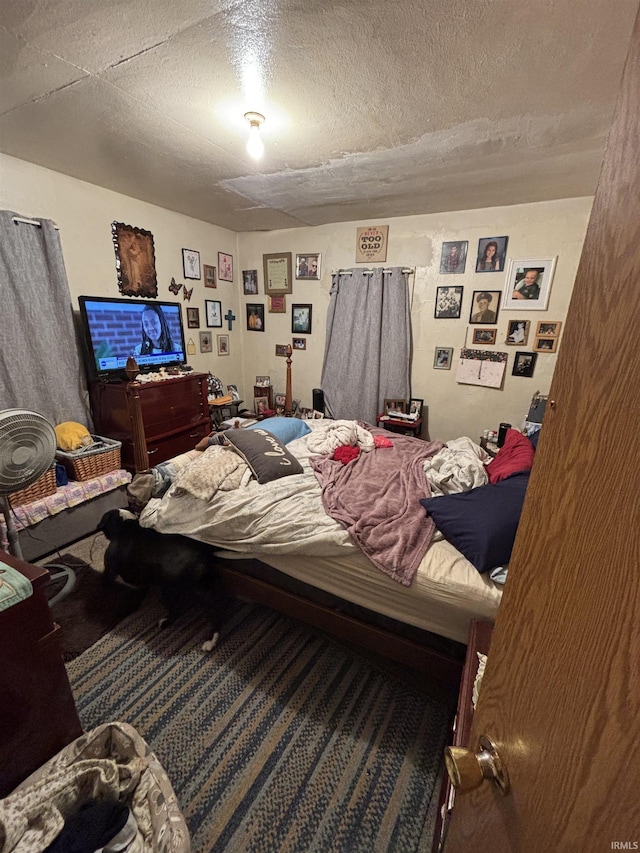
535	231
85	212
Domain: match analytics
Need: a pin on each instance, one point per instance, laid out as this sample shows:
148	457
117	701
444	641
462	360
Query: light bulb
255	146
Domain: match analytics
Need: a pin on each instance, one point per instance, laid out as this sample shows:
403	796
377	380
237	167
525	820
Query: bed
351	544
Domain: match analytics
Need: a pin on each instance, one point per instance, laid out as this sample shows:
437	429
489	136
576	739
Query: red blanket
376	497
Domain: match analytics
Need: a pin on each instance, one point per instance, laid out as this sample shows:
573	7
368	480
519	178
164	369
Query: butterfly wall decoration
186	294
174	287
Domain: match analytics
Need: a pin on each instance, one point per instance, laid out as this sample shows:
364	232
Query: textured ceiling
374	109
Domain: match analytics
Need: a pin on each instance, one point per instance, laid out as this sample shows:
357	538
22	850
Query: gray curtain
40	366
368	344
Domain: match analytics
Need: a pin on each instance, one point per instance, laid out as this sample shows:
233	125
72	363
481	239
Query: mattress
446	594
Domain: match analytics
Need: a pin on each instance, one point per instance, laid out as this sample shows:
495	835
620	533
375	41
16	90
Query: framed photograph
279	400
442	358
135	260
308	267
545	344
281	350
448	303
524	364
371	244
277	304
209	275
317	416
415	407
223	344
193	318
454	256
225	266
233	390
492	252
206	342
255	317
301	319
485	305
213	311
277	273
260	405
487	337
191	263
528	284
263	380
299	343
548	329
250	282
517	333
391	406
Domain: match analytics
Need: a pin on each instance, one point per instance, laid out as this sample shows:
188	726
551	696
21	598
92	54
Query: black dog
180	567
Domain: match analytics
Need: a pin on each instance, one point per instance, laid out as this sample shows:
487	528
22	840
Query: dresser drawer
171	445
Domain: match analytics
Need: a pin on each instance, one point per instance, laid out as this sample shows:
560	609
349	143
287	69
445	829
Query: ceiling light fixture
255	145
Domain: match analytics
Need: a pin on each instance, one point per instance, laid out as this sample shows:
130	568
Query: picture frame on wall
277	273
448	303
225	266
517	333
223	344
308	267
135	260
301	319
277	304
281	350
191	263
545	344
484	337
299	343
209	275
485	306
453	257
255	317
492	253
548	329
528	284
206	342
524	364
442	358
193	318
213	311
250	282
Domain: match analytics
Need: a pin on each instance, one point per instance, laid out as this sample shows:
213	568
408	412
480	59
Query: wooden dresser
37	712
153	420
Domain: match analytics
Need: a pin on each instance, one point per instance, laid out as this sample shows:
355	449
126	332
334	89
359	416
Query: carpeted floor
281	740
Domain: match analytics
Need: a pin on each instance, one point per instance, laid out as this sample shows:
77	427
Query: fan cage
27	448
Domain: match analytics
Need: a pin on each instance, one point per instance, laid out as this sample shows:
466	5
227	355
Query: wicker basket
93	462
43	486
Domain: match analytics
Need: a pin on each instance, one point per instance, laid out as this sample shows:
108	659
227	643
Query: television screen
150	331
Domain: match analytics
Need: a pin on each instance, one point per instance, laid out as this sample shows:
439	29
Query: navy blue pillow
481	523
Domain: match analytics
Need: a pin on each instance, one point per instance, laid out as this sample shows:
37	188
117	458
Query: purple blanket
376	497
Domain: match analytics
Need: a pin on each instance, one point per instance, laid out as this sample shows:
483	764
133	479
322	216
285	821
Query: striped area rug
281	740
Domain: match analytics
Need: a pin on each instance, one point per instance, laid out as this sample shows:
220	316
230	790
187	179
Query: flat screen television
150	330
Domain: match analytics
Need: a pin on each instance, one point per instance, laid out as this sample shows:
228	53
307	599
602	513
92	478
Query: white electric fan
27	450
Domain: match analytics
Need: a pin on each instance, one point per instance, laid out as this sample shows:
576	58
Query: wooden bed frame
439	658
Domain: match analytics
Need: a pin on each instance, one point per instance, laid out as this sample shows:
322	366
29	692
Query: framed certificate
278	277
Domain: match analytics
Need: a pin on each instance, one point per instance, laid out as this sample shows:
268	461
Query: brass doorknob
468	769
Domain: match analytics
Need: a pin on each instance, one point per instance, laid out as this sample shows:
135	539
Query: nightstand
400	426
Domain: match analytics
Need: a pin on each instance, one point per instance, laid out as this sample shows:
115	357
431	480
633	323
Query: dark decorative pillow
481	523
514	457
265	454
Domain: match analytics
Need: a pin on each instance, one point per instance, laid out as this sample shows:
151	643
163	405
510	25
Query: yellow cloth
71	435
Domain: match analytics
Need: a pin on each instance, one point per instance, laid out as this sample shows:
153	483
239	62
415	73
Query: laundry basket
98	458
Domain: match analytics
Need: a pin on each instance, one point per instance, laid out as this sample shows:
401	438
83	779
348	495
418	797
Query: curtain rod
409	270
19	219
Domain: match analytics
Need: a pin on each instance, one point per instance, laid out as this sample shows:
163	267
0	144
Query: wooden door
561	694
